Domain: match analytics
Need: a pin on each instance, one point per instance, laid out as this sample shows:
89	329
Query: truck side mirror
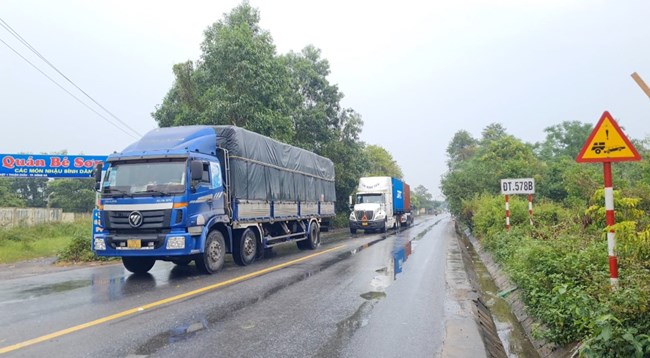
350	202
97	174
196	170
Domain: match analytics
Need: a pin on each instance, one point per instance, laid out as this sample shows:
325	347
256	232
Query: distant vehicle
382	203
198	192
598	147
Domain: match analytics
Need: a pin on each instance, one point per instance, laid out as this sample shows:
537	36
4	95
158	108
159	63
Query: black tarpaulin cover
262	168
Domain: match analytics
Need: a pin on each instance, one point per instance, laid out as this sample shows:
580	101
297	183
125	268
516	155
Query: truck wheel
138	265
314	237
383	228
245	248
312	241
353	231
213	256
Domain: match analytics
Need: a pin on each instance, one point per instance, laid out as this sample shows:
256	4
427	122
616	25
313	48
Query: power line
14	33
68	92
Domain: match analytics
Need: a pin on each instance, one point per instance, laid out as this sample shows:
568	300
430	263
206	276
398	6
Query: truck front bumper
152	245
367	225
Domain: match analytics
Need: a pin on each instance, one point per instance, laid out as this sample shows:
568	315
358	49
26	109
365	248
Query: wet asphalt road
344	302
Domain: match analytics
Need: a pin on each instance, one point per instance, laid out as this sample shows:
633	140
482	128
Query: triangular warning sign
607	143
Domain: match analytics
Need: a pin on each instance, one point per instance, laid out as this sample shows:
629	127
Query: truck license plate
364	224
133	244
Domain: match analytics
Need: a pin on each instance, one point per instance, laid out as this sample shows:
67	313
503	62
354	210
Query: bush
561	266
79	250
341	220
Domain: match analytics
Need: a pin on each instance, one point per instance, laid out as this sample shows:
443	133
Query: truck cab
155	202
381	203
373	207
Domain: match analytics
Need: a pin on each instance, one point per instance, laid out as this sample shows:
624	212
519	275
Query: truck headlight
99	244
352	217
380	215
176	242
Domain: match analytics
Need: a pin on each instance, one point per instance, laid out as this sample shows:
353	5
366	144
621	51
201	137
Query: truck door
202	196
218	195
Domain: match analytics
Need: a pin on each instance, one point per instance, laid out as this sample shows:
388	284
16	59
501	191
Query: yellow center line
159	303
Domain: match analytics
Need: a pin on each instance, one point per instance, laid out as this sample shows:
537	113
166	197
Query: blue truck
197	193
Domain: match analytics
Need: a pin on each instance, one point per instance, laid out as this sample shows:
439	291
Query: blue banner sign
48	166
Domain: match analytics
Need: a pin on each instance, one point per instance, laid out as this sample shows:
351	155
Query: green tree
461	148
564	140
316	109
30	190
238	81
493	131
71	195
381	163
348	155
421	197
497	157
8	196
241	81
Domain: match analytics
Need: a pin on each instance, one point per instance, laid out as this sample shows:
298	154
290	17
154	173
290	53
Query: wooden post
641	84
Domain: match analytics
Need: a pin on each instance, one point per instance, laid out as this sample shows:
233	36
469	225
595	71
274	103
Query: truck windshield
370	198
145	178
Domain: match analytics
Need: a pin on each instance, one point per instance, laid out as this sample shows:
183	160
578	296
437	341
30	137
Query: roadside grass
561	267
46	240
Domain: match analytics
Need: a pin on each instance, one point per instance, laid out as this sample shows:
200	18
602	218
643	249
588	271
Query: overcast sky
417	71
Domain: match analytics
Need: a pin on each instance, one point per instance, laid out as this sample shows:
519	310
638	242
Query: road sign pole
507	214
611	220
530	208
607	143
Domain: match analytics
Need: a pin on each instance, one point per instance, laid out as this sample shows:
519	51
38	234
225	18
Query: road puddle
58	287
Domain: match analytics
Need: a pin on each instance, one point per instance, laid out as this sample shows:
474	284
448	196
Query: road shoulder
462	335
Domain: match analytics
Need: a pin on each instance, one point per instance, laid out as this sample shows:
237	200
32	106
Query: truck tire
312	241
244	249
138	265
214	253
314	237
383	228
353	231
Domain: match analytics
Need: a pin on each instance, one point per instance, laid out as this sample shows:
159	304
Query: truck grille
151	220
360	213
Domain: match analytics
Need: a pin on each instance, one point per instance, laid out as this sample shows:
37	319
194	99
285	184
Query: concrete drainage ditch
503	334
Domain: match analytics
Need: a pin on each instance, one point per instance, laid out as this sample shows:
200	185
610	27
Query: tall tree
381	163
348	155
461	148
316	112
238	81
492	132
564	140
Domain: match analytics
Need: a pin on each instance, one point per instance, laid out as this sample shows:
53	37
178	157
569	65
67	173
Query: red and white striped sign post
518	186
606	144
611	220
507	214
530	208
